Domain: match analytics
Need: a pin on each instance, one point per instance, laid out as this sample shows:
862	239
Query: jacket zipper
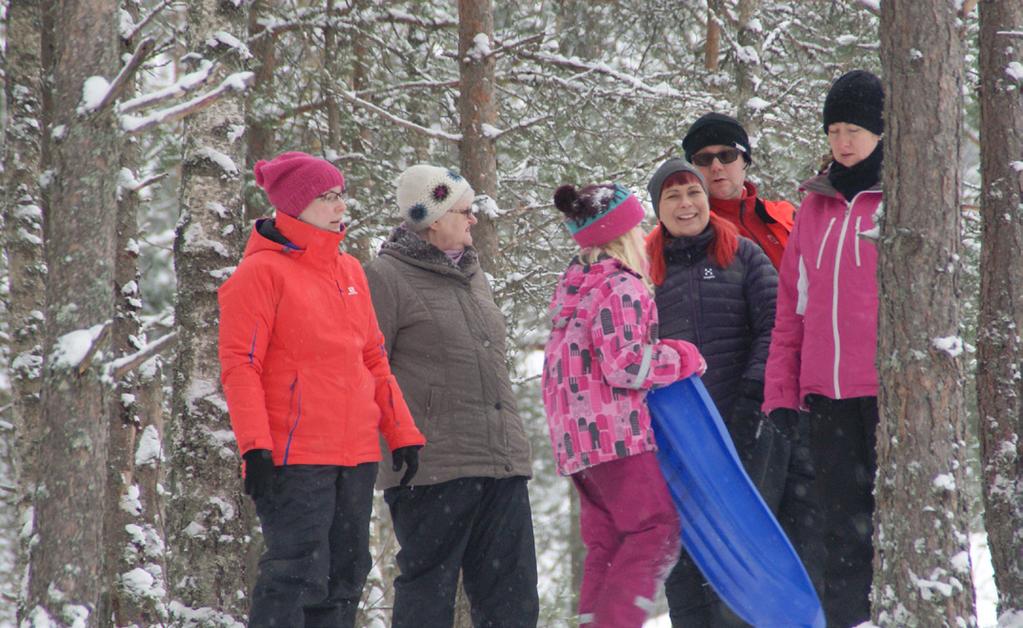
298	417
857	240
834	292
694	300
742	221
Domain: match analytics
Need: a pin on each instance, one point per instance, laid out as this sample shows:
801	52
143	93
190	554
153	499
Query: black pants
316	528
844	443
481	526
783	472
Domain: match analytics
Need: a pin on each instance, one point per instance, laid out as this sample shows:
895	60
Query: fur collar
403	243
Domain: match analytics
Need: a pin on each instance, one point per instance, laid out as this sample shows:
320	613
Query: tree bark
259	123
65	581
134	563
999	348
712	46
210	521
358	179
24	249
921	535
747	59
477	107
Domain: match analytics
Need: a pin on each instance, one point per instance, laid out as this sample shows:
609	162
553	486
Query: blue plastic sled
726	527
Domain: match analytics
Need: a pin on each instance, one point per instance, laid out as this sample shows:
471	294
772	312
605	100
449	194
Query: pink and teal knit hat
597	214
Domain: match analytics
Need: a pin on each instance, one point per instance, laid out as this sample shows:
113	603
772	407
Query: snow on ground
983	585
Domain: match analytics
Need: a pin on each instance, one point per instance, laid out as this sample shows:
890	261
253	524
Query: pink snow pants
631	531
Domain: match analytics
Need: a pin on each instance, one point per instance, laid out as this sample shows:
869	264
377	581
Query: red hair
721	249
682	177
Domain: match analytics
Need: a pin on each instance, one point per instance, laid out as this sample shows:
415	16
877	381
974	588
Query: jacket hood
405	245
578	280
284	234
820	184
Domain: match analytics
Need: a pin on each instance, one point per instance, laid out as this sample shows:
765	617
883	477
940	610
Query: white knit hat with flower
425	193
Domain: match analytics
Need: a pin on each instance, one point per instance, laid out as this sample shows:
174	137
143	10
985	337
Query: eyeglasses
465	212
332	197
726	156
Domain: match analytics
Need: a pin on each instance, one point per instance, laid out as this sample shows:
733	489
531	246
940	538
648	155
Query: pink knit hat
597	214
292	180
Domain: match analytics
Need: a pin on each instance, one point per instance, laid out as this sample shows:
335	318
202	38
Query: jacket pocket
432	426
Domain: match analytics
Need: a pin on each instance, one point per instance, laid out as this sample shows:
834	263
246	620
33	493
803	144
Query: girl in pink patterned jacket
602	356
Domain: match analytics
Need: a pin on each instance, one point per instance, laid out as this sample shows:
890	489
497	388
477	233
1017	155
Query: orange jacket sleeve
247	305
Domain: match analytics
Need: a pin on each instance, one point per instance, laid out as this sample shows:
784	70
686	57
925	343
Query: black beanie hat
856	98
716	128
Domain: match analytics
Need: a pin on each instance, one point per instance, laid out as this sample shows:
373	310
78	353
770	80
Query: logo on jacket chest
708	273
352	291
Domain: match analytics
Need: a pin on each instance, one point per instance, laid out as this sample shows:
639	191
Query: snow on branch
493	133
480	48
223	38
127	72
75	349
128	35
503	46
418	20
185	84
117	369
874	6
601	68
237	82
376	91
408	124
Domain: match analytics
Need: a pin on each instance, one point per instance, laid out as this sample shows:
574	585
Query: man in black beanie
714	144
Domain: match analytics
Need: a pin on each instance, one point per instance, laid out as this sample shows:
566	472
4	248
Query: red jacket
302	360
767	223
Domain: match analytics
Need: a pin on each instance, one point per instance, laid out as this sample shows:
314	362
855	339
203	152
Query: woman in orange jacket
309	390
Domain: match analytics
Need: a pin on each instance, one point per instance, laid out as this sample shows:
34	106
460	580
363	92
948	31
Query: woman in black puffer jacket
717	290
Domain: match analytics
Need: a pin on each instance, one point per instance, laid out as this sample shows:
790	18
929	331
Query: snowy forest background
129	132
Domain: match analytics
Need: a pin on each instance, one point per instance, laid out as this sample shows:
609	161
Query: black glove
787	422
409	457
259	472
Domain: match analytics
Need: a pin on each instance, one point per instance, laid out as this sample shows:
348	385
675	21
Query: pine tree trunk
358	179
26	267
712	45
921	535
65	581
210	520
999	348
477	107
746	62
259	121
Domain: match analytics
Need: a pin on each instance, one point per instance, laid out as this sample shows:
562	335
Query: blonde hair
629	249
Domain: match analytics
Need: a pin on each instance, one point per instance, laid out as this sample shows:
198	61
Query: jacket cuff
752	389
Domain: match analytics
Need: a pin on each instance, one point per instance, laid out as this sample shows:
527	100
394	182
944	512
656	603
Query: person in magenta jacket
824	340
602	356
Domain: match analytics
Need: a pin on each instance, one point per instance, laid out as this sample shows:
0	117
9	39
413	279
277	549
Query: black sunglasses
726	156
